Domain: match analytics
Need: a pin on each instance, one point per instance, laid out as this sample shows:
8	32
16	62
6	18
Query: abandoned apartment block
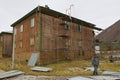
53	35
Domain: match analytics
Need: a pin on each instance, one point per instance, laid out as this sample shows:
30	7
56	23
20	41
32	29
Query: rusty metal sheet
11	73
42	69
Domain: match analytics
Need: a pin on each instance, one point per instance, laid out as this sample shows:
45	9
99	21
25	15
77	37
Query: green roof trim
56	14
6	33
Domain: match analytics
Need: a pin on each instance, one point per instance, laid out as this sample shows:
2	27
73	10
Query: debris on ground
90	69
79	78
75	69
11	73
42	69
33	59
30	77
110	73
1	71
105	77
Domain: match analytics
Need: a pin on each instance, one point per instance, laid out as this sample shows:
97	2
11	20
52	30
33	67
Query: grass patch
61	68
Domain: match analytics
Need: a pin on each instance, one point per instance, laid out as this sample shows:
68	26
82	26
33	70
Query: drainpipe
40	14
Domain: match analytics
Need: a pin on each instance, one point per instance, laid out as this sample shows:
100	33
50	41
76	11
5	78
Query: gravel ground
29	77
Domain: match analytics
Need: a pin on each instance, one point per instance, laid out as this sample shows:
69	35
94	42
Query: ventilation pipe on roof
46	6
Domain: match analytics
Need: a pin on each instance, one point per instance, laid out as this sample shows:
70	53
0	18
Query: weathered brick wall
8	42
54	40
28	32
88	42
0	47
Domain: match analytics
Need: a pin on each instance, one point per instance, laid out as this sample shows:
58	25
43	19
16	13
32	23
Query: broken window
32	22
21	28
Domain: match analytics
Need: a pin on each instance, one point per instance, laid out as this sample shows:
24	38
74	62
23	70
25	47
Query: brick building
6	42
53	35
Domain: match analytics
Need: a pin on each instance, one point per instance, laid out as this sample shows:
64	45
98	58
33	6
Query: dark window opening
67	25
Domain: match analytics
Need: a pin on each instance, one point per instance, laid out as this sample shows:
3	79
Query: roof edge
54	13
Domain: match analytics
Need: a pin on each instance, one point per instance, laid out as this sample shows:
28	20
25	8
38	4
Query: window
32	41
78	52
21	28
78	28
67	25
79	43
68	43
15	31
32	22
20	44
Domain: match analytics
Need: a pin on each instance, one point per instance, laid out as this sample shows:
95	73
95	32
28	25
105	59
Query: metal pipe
40	31
12	65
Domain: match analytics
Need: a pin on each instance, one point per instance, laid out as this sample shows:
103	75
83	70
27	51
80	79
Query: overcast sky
102	13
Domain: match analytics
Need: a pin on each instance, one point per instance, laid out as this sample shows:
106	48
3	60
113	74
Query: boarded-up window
21	28
32	41
20	44
32	22
67	25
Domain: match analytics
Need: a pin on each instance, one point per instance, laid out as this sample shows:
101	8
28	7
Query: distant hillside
111	34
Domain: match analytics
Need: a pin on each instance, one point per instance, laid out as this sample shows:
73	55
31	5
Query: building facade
0	46
6	42
53	35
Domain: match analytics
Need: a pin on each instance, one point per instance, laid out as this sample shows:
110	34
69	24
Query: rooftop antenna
69	11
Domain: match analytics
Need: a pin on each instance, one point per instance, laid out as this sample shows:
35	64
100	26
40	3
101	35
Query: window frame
20	44
67	25
32	41
79	43
79	28
32	22
21	28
